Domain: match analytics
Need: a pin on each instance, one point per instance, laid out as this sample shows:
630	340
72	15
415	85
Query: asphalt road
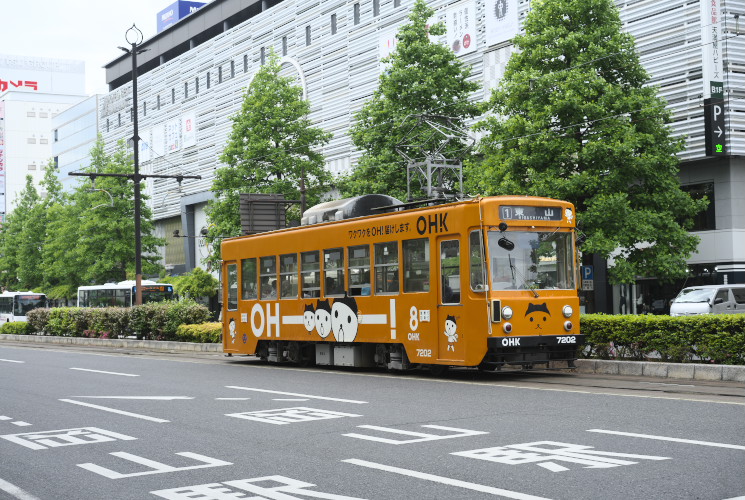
98	424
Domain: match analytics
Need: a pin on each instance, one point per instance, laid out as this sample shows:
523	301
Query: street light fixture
134	37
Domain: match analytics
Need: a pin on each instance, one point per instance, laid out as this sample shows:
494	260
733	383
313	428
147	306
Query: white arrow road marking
106	373
113	410
151	398
297	395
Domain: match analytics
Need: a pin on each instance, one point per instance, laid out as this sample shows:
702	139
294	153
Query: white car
709	299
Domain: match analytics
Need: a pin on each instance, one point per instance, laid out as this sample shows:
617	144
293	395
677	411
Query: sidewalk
678	371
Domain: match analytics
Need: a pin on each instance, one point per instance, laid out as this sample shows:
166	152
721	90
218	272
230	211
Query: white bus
15	305
123	294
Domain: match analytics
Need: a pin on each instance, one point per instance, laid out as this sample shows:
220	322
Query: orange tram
370	281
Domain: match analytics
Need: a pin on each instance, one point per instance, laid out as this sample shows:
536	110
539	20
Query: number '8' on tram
369	281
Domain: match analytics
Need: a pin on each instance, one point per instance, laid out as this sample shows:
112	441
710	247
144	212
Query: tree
21	240
271	149
196	284
573	120
421	77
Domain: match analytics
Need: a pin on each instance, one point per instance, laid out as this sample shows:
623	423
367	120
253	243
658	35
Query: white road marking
298	395
419	437
232	399
667	383
15	491
665	438
106	373
289	399
11	361
445	480
20	423
149	398
113	410
3	417
156	467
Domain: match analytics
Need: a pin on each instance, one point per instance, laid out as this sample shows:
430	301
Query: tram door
450	318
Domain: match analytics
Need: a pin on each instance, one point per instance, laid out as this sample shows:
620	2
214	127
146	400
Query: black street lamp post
134	37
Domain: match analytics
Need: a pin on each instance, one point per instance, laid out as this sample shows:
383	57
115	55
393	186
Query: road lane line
20	423
297	395
113	410
106	373
665	438
445	480
149	398
15	491
11	361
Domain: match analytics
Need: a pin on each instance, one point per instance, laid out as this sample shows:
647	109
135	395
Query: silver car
709	299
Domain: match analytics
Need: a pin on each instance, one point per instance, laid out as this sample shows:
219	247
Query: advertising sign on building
501	21
176	12
711	44
144	144
158	141
41	75
460	22
173	135
189	129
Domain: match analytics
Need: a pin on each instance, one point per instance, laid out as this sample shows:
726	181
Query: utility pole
134	37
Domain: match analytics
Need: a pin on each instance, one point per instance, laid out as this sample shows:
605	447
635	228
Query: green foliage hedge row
715	338
206	333
16	328
155	321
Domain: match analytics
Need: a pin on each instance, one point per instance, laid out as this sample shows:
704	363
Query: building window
333	24
32	166
397	3
43	140
705	220
245	64
108	125
144	108
56	135
356	14
186	90
31	140
31	114
119	117
219	74
157	102
263	55
131	115
232	69
196	85
207	79
173	96
307	36
376	8
43	114
284	45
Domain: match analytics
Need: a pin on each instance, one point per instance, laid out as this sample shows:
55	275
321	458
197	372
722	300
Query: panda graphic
309	318
344	320
451	328
538	314
323	318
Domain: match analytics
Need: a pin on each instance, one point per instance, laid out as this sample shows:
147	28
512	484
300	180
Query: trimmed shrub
16	328
38	319
206	333
717	338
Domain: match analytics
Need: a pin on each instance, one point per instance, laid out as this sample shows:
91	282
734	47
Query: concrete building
75	131
33	91
192	76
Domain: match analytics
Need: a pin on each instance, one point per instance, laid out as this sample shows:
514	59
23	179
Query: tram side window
232	287
310	274
476	261
268	278
450	271
248	280
288	276
333	270
359	270
416	265
386	267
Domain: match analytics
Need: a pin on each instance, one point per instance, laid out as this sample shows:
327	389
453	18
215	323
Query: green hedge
16	328
715	338
156	321
206	333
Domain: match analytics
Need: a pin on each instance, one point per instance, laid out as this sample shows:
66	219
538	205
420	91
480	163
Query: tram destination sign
520	212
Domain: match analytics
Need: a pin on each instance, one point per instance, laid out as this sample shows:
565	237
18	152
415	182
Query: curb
680	371
155	345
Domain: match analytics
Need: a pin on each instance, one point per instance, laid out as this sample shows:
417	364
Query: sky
84	30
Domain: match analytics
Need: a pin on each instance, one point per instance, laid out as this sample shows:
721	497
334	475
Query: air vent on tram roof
347	208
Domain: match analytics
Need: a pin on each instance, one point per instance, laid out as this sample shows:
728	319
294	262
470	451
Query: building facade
75	131
192	77
32	92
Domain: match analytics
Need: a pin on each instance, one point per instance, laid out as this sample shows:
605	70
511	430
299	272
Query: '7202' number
567	340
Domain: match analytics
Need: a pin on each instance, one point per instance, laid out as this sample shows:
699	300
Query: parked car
709	299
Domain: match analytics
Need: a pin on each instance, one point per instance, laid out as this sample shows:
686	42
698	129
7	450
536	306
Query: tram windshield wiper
524	284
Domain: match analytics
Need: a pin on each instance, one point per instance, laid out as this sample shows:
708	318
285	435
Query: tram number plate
424	353
566	340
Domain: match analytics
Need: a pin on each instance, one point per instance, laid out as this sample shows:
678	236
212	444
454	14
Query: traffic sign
714	127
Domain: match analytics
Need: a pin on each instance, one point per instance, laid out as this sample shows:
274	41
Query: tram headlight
507	312
567	311
568	326
507	327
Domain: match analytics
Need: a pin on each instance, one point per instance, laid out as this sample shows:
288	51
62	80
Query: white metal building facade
192	77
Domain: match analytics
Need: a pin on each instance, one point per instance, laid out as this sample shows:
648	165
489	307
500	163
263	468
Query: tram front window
539	260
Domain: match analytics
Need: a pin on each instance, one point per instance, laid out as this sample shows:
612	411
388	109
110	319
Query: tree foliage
195	284
572	119
422	77
21	241
271	149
